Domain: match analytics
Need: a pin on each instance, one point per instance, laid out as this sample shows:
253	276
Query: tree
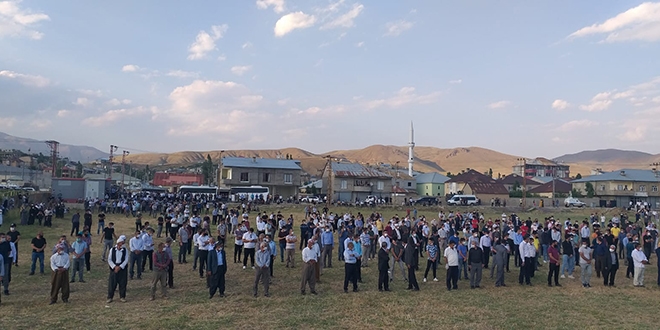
207	169
577	193
79	170
516	186
590	189
578	176
313	190
490	172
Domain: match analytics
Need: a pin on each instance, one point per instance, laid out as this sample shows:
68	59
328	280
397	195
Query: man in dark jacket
410	258
610	266
217	267
383	265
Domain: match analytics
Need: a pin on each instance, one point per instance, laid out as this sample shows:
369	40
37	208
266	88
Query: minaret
411	146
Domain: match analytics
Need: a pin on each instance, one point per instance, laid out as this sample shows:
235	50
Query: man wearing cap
59	263
162	262
118	260
216	269
611	265
79	248
309	258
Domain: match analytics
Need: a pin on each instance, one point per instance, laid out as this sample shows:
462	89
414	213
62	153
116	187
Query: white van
463	200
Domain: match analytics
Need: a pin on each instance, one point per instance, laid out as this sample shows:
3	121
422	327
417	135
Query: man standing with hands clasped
216	264
118	260
309	258
383	265
639	260
161	261
553	254
262	270
59	263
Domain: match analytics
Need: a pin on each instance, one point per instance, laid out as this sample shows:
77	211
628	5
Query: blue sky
525	78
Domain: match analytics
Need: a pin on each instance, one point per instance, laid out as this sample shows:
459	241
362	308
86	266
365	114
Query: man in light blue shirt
136	246
350	265
357	246
79	248
272	247
327	244
262	270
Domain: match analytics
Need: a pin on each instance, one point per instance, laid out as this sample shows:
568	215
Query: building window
409	184
426	187
619	187
344	184
361	183
244	177
642	188
265	177
226	174
654	188
381	185
438	187
288	178
601	187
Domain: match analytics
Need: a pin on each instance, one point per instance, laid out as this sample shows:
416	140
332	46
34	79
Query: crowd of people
466	244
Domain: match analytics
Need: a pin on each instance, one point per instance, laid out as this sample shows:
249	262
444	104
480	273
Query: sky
529	78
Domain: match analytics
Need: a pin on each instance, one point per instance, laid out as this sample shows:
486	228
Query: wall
68	189
431	189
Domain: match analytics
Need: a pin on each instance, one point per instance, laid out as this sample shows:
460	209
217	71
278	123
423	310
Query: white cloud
116	102
499	104
283	101
396	28
346	20
359	44
600	102
559	104
7	122
19	22
404	96
205	42
112	116
639	23
130	68
577	124
40	123
26	79
64	113
222	57
278	5
240	70
182	74
91	92
456	82
247	45
293	21
83	102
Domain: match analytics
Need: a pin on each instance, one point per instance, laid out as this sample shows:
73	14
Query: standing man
59	263
611	266
184	240
117	260
162	262
553	256
451	264
109	236
291	240
79	248
432	260
639	261
586	256
272	248
14	236
136	246
501	251
263	269
475	265
75	223
6	252
203	251
526	261
365	241
327	244
383	265
309	264
38	246
350	267
148	243
216	269
410	256
567	258
170	267
249	245
2	271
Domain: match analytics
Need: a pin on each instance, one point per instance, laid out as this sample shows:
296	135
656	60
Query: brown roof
472	176
511	179
488	188
399	190
561	186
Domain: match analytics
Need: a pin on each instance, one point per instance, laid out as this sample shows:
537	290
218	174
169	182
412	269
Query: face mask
611	250
475	235
60	252
79	240
584	245
12	229
2	240
164	249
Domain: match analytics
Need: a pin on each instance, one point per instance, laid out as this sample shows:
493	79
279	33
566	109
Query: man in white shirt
59	263
451	264
639	260
204	245
249	245
310	259
136	245
117	260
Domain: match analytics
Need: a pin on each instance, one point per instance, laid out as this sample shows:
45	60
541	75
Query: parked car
573	202
426	201
463	200
310	199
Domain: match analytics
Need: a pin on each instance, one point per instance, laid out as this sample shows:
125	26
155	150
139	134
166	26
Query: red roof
488	188
175	179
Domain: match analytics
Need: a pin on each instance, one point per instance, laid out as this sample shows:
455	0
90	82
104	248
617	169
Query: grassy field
512	307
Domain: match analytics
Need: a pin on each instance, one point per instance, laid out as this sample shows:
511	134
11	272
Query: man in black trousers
611	266
217	268
410	258
383	265
350	264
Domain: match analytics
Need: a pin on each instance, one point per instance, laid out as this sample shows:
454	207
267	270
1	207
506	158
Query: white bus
250	193
197	190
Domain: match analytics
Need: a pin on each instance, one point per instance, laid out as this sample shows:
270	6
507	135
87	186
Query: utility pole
123	162
53	145
113	148
524	175
331	180
655	166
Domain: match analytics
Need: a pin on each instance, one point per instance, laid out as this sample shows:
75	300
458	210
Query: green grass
513	307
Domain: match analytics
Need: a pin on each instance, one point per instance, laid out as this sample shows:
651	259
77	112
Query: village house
474	183
620	188
353	182
281	176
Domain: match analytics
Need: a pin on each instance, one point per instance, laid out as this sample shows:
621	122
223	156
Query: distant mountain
427	159
75	153
607	156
